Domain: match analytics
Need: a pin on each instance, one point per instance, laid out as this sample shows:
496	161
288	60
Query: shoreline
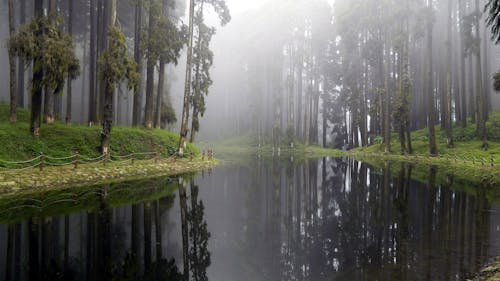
91	174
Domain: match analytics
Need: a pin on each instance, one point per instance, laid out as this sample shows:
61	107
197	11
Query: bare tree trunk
187	84
387	100
36	96
109	19
12	69
92	63
150	69
49	92
20	61
431	122
84	71
159	96
463	95
300	89
136	111
69	93
447	102
481	120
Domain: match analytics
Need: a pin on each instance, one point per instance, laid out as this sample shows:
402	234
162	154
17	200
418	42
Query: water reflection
269	219
338	219
109	242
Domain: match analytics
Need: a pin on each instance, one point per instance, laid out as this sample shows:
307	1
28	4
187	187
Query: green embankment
60	140
151	149
466	144
465	160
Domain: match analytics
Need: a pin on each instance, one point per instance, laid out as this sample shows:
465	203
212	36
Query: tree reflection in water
277	219
108	243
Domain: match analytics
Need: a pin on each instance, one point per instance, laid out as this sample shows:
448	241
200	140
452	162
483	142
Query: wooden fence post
42	158
75	162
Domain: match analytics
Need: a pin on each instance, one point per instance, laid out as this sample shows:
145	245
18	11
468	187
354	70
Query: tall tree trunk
150	69
92	63
324	112
463	95
197	91
84	112
307	114
69	93
481	120
108	21
137	105
159	95
300	69
431	121
49	91
387	100
187	84
101	47
472	99
36	96
12	69
291	109
20	61
448	120
486	73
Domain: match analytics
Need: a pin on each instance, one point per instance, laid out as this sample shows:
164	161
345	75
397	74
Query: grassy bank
465	160
466	144
54	178
60	140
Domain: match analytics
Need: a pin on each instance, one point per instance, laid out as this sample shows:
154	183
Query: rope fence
42	161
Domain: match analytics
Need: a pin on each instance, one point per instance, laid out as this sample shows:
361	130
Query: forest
250	140
341	74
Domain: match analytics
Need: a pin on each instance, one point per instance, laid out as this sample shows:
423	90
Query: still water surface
328	219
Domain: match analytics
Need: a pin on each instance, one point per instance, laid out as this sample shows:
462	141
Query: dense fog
306	69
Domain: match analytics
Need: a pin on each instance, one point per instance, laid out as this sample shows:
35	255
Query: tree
115	66
12	69
69	93
151	57
170	42
202	62
20	63
223	13
431	119
136	111
51	51
48	108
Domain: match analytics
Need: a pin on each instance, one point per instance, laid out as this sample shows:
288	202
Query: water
328	219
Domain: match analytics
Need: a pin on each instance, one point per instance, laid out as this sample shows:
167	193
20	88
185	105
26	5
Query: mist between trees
335	73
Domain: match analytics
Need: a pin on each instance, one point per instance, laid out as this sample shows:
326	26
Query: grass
466	146
61	140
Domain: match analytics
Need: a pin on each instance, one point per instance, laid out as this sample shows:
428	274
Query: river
259	219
